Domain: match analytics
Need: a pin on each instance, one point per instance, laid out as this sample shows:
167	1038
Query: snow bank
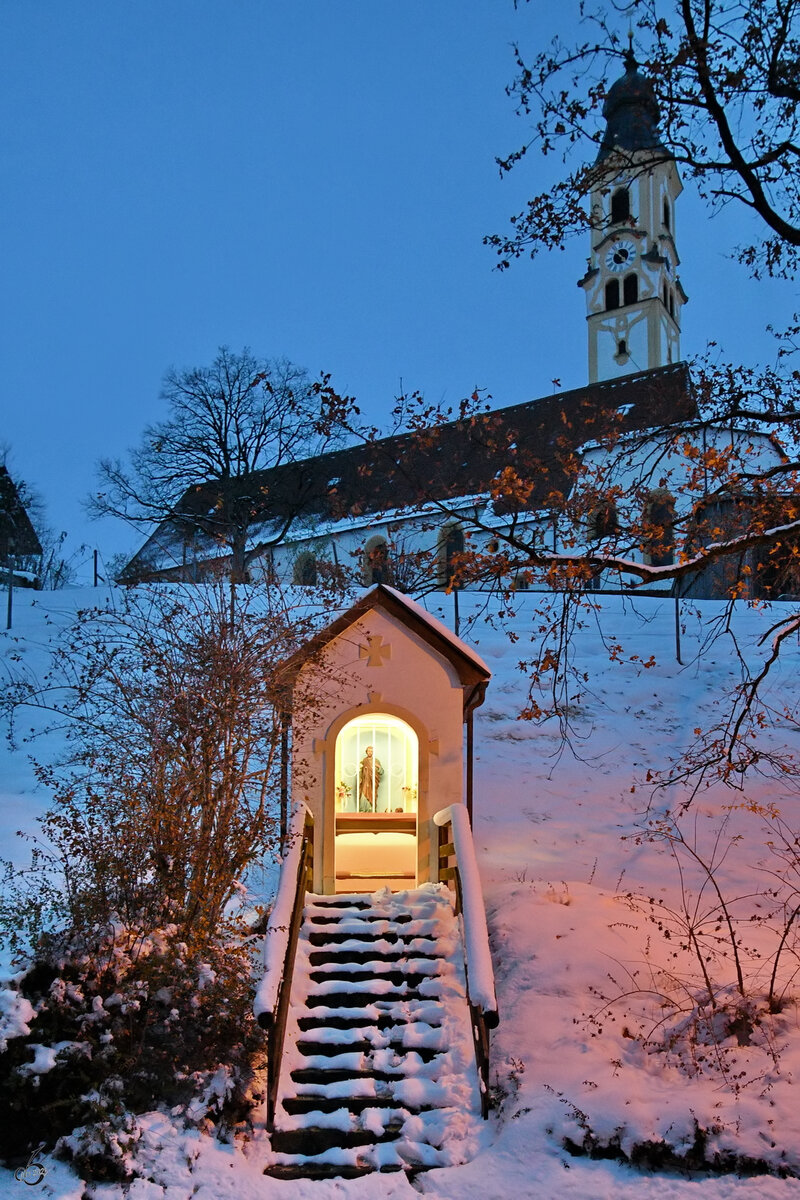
15	1014
553	836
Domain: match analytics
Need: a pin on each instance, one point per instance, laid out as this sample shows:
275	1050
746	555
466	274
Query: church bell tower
633	294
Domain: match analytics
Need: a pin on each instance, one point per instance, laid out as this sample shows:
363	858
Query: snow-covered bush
121	1021
136	974
714	997
730	953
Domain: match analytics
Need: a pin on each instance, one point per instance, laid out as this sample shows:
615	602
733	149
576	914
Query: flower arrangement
343	794
409	798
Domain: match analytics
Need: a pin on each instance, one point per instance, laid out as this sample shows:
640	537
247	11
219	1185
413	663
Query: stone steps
371	1081
318	937
318	957
354	1105
313	1140
382	1022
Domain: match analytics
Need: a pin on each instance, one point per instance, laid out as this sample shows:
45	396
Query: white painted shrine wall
355	677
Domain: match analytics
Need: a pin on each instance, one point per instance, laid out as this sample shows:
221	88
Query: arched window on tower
665	296
665	216
620	205
612	294
630	288
671	303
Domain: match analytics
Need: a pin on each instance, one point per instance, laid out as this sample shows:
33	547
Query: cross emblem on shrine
376	652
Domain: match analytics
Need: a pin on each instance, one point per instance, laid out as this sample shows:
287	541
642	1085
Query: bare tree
727	83
715	494
199	467
165	791
170	704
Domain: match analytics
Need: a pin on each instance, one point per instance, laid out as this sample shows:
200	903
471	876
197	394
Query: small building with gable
381	703
20	548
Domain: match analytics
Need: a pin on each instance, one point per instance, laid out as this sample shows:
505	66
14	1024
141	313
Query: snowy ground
556	852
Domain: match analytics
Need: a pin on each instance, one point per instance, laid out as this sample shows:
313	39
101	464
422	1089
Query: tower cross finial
630	58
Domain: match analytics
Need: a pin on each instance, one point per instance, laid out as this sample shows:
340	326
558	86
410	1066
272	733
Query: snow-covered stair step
388	1156
375	1011
413	1035
318	1137
331	942
334	936
397	965
316	1074
352	1018
378	1069
393	1062
379	950
355	1105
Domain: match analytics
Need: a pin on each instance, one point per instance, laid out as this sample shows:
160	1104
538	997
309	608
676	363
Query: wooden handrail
454	833
274	1019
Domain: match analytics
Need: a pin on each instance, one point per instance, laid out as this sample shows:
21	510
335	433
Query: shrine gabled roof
472	672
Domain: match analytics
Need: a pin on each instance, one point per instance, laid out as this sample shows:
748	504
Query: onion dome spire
631	112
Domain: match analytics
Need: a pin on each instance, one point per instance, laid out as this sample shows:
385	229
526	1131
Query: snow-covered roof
17	535
473	673
438	627
447	464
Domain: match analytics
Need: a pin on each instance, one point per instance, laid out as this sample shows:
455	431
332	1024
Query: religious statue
370	773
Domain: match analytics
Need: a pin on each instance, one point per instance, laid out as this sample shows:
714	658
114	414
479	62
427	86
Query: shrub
127	1020
139	988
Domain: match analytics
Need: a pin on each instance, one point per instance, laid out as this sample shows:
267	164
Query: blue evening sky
311	178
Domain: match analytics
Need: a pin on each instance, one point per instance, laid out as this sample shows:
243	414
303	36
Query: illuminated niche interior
376	766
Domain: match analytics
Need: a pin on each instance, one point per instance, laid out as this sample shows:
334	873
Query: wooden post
9	610
678	597
446	849
284	779
469	762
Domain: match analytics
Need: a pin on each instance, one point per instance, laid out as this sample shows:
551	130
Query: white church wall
410	534
656	465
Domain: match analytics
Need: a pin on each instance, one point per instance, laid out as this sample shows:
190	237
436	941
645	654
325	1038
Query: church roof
539	439
632	114
17	535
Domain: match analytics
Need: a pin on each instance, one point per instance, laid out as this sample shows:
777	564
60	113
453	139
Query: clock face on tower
620	256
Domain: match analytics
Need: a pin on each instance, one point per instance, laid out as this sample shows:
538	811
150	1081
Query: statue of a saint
370	773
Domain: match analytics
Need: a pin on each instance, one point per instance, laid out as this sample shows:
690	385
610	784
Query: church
400	510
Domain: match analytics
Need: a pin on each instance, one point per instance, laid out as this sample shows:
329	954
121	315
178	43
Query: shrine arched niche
377	765
376	800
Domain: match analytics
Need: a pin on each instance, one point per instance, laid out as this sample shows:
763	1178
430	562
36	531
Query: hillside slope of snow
595	1000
